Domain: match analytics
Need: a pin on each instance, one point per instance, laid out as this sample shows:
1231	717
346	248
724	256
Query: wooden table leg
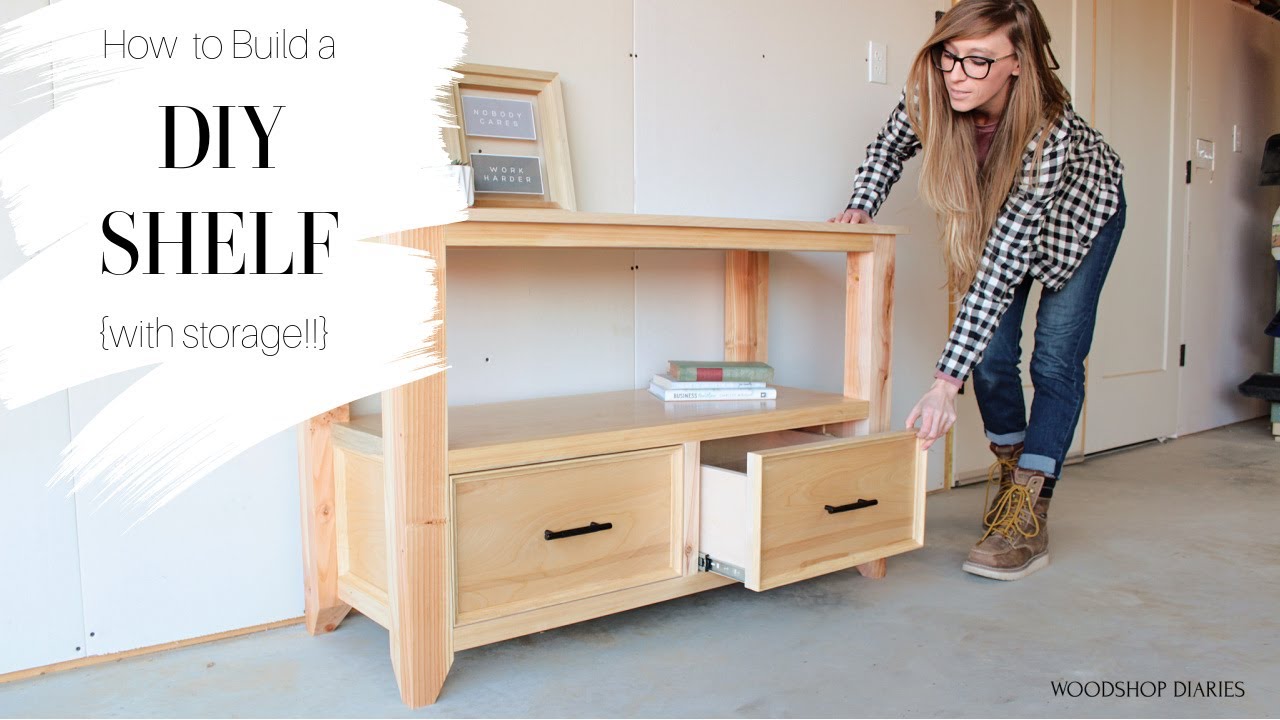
874	569
868	341
324	611
415	471
746	306
869	316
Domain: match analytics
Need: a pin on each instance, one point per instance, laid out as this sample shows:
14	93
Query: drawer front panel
505	561
800	538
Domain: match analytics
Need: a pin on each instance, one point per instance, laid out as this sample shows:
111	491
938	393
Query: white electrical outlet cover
877	60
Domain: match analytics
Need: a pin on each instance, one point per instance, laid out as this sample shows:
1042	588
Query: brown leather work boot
1017	543
1002	471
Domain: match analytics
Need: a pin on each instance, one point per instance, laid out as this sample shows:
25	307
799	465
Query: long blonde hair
968	198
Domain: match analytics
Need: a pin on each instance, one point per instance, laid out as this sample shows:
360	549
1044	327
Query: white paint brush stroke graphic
359	135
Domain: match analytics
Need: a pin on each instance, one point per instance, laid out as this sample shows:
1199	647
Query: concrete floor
1165	566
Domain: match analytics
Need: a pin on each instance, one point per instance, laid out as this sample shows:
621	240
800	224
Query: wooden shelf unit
429	519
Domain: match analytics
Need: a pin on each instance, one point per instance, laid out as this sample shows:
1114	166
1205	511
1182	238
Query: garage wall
732	109
40	613
77	581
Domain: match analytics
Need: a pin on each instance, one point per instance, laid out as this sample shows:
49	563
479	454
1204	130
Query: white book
764	393
665	382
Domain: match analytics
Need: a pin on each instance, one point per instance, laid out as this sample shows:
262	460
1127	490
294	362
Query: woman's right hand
852	215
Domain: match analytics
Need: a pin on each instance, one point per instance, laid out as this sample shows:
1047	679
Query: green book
719	371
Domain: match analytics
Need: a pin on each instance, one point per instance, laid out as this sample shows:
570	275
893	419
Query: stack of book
699	380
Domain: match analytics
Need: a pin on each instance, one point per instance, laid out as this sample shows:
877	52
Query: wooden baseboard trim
115	657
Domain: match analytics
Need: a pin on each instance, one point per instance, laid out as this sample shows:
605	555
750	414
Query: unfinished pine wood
746	306
372	602
866	232
506	565
692	455
511	626
360	435
731	453
507	78
799	539
323	609
873	373
948	468
455	144
362	515
495	435
556	146
416	441
522	431
764	502
876	569
415	457
868	332
508	227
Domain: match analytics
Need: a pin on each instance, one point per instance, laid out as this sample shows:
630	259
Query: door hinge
1182	356
1188	172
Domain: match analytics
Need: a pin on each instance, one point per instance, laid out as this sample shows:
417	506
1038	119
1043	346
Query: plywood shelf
502	227
544	429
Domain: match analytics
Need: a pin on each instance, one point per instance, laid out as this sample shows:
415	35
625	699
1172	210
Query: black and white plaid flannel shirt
1045	227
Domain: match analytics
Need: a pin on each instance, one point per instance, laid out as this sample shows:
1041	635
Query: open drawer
787	506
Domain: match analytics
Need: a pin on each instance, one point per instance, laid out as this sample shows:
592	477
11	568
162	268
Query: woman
1025	191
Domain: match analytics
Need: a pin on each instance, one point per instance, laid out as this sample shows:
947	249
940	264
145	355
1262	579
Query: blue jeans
1064	332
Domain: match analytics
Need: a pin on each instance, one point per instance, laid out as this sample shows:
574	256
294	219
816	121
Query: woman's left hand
936	412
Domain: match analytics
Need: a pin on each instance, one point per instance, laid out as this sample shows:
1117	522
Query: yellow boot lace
1008	511
997	471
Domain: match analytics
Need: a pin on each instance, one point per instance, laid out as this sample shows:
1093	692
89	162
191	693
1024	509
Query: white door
1132	378
1132	390
1230	281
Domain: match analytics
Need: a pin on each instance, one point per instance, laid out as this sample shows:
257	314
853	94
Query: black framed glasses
975	66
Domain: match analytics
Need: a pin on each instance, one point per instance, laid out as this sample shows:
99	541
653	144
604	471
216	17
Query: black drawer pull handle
833	509
593	527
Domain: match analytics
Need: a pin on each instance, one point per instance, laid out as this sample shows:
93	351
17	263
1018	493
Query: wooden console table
454	527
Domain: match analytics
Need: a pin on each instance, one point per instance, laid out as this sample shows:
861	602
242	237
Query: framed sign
498	117
514	174
511	130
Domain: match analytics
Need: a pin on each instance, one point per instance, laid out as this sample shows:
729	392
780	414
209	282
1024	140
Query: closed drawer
786	506
537	535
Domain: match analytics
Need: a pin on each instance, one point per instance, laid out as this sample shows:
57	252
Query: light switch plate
1204	154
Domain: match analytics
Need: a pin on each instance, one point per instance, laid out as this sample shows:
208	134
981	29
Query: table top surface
503	227
575	217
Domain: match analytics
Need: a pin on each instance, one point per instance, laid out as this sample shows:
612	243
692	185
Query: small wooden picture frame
499	98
